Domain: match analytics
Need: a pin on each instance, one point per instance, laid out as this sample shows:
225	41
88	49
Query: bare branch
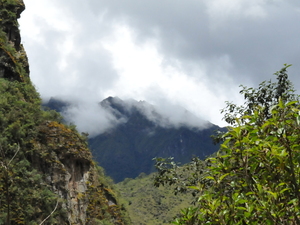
14	156
49	214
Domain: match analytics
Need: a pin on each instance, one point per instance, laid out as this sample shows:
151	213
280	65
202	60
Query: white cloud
145	75
91	118
188	53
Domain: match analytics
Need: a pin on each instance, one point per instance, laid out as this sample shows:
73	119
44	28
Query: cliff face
62	155
12	62
47	175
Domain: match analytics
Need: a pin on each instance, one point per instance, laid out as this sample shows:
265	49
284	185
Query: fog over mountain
190	53
98	118
125	135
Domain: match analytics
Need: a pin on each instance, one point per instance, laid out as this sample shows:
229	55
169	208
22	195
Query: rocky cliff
47	175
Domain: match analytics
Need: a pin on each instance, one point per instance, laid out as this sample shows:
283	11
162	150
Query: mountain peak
140	132
164	116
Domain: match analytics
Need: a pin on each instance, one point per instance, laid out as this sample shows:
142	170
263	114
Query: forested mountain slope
47	175
127	149
150	205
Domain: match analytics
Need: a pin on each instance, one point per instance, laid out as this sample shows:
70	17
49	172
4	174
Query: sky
173	54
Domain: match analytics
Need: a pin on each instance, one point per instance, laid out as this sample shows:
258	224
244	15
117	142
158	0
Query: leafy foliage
38	152
147	204
254	178
19	116
104	202
181	177
265	96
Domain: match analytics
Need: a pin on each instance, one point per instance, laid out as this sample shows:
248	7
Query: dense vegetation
31	143
254	177
47	175
20	202
149	205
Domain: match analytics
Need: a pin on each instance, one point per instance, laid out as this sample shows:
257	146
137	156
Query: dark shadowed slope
128	148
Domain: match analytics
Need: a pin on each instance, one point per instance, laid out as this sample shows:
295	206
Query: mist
95	118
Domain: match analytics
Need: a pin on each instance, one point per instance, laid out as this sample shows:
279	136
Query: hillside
148	204
128	148
158	198
47	175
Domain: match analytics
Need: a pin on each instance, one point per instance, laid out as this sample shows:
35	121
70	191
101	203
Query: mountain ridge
127	149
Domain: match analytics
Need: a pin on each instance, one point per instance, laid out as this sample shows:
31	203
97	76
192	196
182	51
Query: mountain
55	104
47	174
128	149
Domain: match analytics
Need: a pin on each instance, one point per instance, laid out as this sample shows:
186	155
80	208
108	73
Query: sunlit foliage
254	177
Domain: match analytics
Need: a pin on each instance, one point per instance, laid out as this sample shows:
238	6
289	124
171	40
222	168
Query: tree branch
49	214
14	156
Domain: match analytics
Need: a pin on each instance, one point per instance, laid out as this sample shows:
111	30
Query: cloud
65	51
91	118
168	115
191	53
253	34
96	119
224	11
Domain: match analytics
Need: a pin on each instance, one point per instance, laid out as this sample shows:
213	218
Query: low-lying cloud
194	54
94	118
91	118
169	115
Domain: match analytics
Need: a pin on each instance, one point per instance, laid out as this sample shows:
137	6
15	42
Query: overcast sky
191	53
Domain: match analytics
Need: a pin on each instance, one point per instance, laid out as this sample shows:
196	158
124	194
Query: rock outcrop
47	175
13	59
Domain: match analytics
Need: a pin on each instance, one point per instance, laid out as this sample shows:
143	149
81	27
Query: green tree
25	197
265	96
254	177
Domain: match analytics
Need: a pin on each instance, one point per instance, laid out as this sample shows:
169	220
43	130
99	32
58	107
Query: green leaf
210	178
285	189
222	177
291	103
194	187
275	195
